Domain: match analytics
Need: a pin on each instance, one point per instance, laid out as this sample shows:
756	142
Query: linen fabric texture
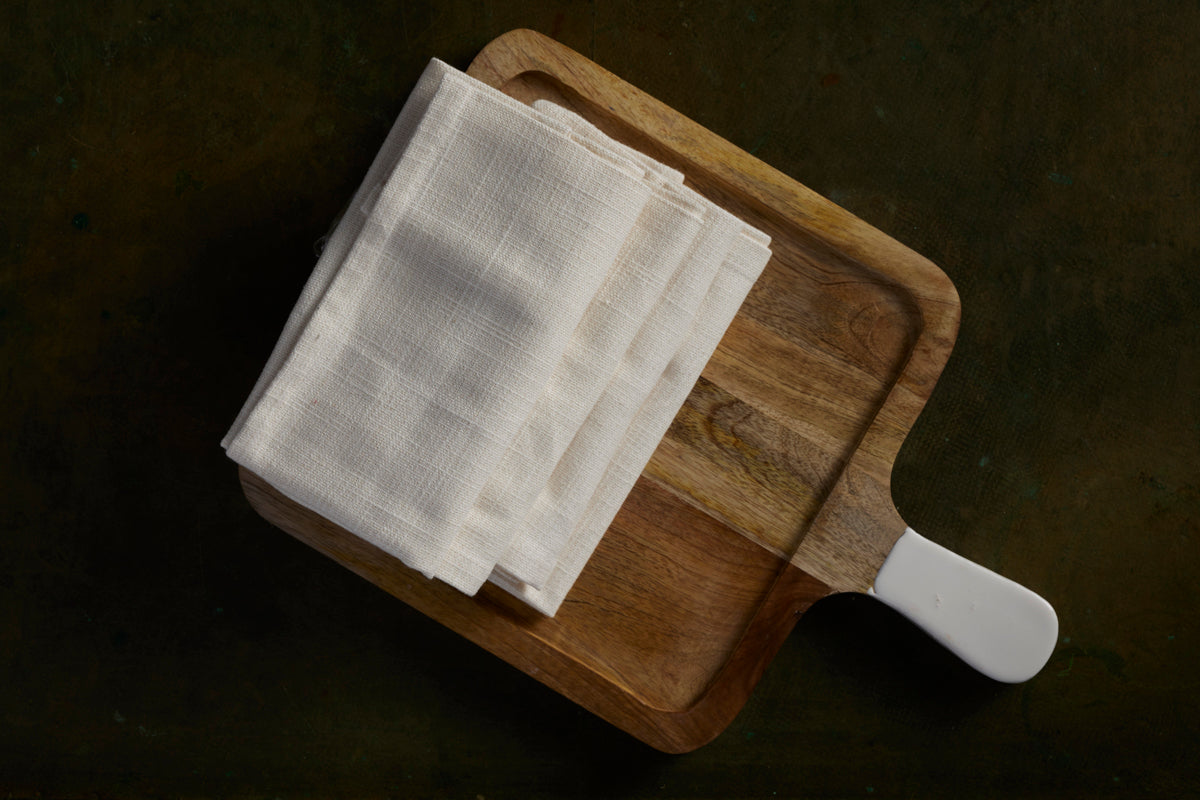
510	305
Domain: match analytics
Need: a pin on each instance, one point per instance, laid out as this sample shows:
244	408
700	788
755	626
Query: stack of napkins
495	339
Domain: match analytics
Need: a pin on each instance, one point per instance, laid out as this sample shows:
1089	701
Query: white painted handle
997	626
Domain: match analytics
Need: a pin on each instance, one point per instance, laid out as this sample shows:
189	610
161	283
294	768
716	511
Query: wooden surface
771	489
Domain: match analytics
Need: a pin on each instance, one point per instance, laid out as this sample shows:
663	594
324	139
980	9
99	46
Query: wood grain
772	487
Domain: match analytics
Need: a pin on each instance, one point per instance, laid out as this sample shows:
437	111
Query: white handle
997	626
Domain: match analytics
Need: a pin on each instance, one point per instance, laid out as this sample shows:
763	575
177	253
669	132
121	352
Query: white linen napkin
427	350
733	281
510	296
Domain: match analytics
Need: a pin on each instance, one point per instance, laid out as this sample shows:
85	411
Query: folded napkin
426	352
495	338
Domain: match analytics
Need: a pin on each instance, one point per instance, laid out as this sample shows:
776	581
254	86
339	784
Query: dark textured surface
164	172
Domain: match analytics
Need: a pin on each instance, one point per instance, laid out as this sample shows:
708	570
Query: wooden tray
771	489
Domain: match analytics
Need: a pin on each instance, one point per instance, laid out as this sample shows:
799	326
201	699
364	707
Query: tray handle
997	626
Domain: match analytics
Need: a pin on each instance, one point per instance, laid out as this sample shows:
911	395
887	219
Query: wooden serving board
771	489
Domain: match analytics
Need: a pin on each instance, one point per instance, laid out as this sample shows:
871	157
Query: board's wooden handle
996	625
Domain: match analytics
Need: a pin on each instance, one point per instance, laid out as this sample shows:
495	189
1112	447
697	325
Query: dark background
165	169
